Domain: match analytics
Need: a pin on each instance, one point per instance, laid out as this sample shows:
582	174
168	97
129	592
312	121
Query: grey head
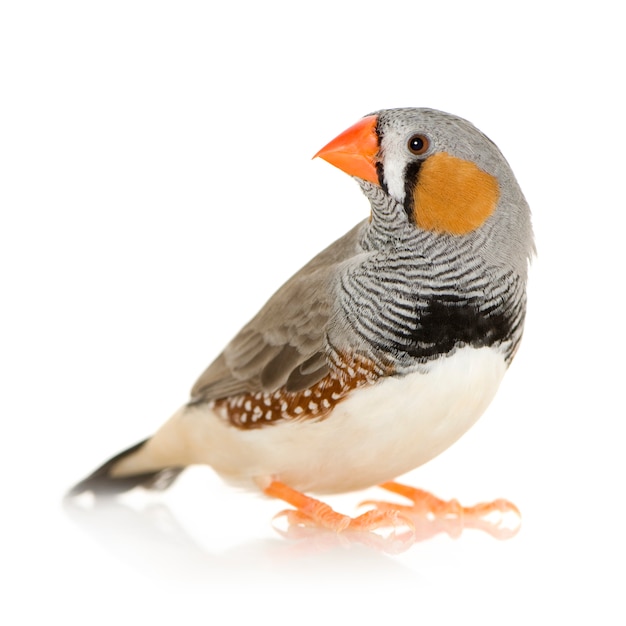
506	236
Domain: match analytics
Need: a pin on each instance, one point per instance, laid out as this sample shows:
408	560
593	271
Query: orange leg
309	508
425	517
313	513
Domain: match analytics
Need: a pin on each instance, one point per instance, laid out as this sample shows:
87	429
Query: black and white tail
102	482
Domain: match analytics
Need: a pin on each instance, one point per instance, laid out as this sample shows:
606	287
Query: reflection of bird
381	351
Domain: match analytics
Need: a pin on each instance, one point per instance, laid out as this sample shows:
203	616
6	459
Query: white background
156	186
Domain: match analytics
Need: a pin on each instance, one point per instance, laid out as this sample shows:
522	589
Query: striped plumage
415	308
388	345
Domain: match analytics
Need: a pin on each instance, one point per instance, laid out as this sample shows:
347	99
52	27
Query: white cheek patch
394	164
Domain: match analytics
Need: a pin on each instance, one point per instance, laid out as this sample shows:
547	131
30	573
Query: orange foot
388	531
426	517
430	515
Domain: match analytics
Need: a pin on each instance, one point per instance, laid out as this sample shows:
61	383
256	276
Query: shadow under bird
381	351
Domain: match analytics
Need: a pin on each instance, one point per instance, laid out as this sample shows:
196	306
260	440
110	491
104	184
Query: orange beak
355	150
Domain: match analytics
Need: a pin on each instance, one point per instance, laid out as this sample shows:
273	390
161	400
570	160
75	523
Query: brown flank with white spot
255	410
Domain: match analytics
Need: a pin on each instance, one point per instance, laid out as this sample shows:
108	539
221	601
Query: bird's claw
431	515
388	531
390	526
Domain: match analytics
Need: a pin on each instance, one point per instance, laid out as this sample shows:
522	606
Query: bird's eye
418	144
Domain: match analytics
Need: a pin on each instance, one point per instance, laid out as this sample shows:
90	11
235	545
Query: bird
381	351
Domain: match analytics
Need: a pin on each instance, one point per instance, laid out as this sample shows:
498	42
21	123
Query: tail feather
101	482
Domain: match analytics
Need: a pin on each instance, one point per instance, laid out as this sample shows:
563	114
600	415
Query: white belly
377	434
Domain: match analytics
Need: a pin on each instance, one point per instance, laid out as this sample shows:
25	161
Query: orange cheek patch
453	195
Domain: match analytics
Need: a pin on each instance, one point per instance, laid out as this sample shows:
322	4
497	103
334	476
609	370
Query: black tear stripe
411	174
380	172
448	323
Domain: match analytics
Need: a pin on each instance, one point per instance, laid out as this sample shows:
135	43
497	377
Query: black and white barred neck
417	295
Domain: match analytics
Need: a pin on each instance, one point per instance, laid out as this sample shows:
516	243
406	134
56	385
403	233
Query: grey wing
285	343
